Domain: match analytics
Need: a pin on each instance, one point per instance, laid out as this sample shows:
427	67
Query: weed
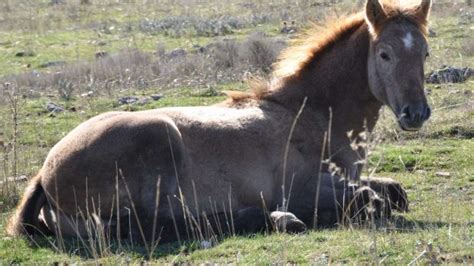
218	52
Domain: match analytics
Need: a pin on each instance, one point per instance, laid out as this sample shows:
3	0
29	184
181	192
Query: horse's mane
317	40
312	43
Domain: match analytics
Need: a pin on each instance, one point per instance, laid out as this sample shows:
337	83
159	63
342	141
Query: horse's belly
219	189
239	169
231	155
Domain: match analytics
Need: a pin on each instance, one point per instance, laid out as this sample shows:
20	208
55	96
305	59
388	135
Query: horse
287	153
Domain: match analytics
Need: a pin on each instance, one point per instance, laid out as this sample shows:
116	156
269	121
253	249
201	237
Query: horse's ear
374	13
423	10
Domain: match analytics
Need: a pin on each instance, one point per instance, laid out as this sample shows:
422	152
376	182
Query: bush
222	61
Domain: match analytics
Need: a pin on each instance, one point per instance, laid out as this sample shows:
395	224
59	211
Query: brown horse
279	146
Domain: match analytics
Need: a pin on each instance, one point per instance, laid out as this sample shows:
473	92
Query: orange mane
312	43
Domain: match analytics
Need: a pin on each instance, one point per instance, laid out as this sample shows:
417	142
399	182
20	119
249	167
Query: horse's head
398	51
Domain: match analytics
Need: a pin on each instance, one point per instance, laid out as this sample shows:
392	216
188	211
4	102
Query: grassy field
435	165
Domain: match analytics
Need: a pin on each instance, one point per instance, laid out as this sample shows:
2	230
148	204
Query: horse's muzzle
412	116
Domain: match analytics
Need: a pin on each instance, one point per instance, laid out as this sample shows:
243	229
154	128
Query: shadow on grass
85	250
75	247
400	223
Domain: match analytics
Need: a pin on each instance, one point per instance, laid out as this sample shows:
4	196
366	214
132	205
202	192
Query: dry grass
437	230
222	61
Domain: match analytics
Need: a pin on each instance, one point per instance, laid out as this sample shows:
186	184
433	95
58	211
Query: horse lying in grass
164	172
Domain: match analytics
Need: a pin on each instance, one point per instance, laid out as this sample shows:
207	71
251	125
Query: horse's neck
337	80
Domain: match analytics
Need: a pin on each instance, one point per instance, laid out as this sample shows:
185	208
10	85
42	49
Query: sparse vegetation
188	53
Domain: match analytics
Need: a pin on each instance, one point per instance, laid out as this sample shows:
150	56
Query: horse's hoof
287	222
392	191
398	197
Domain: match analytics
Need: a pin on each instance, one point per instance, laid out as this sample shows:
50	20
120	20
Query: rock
101	43
178	52
199	49
443	174
101	54
25	54
143	101
432	33
156	97
128	100
54	108
87	94
52	64
133	100
449	75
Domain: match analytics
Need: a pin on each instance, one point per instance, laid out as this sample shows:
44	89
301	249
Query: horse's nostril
405	113
415	113
427	113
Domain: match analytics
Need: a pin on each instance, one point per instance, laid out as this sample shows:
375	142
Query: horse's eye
385	56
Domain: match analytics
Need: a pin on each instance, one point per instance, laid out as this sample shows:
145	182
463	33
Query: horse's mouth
413	117
410	126
405	127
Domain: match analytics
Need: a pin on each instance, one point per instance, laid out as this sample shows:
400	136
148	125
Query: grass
424	155
435	165
441	206
78	45
85	30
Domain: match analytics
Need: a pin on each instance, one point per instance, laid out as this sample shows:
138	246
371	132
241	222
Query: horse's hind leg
160	165
83	226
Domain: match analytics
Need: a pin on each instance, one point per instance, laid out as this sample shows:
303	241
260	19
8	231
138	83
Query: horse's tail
25	220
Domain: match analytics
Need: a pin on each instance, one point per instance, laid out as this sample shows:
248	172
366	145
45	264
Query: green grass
434	165
78	45
441	206
65	33
424	155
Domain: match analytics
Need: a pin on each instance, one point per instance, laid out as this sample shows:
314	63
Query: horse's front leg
337	200
328	200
